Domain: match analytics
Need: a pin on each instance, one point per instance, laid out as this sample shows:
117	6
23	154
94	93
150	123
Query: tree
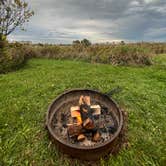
122	42
76	42
13	13
85	42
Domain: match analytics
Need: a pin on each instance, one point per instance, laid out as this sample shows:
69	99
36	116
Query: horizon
98	21
93	43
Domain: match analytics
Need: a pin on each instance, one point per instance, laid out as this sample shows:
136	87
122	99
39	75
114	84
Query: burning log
75	113
85	112
74	129
88	124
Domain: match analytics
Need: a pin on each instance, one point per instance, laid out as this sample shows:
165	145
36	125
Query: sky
62	21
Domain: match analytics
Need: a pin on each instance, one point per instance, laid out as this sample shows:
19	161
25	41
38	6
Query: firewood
96	108
88	124
79	119
75	113
81	137
81	100
74	129
71	124
97	137
87	100
84	100
85	110
75	108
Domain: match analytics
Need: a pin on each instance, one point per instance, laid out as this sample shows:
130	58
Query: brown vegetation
117	54
10	58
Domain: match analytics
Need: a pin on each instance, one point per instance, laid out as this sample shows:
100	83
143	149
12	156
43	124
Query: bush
121	54
11	59
116	54
85	42
130	55
12	56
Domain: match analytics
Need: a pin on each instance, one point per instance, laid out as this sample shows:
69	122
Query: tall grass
127	54
14	55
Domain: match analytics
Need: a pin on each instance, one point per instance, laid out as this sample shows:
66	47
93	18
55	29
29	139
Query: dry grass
121	54
133	54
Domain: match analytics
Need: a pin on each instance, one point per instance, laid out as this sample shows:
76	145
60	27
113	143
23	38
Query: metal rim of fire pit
80	147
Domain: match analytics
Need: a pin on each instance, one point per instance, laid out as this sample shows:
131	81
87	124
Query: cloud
98	20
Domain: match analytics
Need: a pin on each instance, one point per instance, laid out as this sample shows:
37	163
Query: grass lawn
26	94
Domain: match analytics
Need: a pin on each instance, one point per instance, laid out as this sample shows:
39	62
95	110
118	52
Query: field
26	93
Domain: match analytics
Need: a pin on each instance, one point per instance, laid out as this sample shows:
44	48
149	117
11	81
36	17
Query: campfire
86	124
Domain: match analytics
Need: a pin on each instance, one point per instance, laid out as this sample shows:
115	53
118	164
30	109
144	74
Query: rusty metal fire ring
85	153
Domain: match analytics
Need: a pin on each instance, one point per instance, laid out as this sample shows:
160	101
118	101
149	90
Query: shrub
121	54
85	42
50	51
30	51
130	55
10	59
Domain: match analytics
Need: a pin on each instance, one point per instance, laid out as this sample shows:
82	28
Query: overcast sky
62	21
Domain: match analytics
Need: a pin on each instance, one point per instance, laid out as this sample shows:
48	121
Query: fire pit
84	123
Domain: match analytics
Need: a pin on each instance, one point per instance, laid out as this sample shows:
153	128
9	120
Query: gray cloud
62	21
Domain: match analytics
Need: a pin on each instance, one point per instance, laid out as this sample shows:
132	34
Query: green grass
26	94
